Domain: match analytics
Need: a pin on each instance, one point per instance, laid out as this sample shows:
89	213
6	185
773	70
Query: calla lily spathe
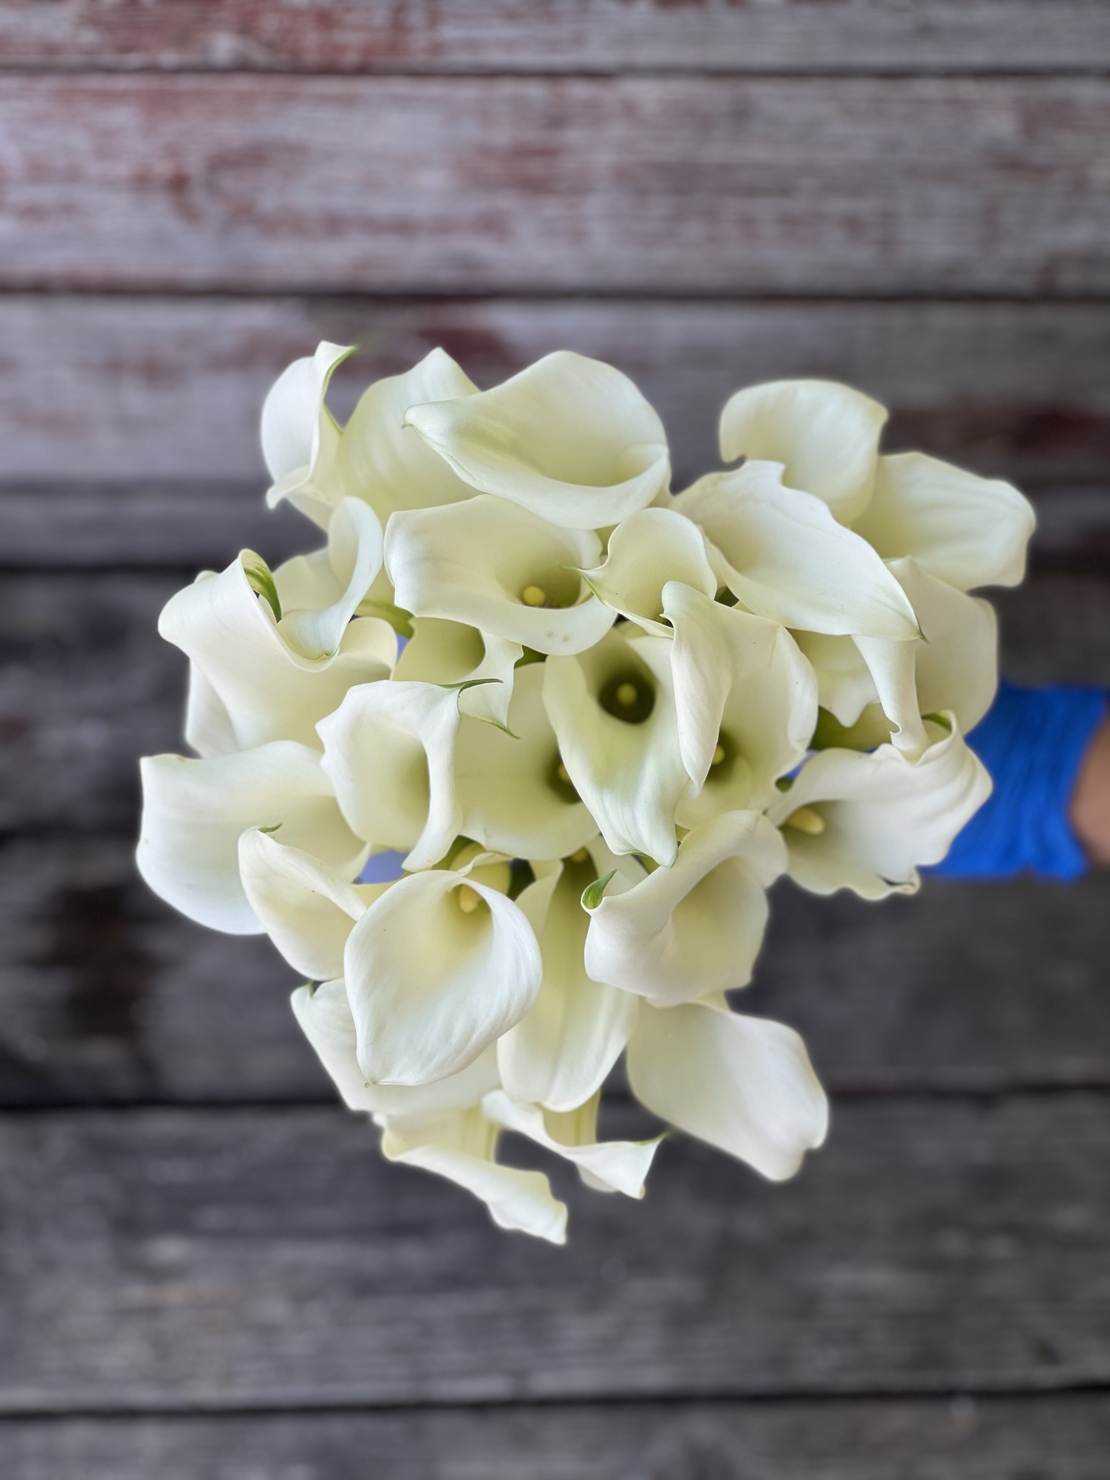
501	569
480	666
646	552
300	437
570	439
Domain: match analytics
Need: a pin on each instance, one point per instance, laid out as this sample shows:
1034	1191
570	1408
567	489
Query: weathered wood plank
106	995
558	36
707	185
125	389
182	1259
1065	1436
87	685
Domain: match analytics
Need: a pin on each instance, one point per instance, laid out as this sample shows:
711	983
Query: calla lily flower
865	822
382	461
194	812
742	1084
607	1166
273	653
965	530
389	751
462	1146
300	437
437	969
453	655
825	435
645	552
613	713
785	557
694	928
324	1015
571	439
501	569
560	1053
746	703
515	796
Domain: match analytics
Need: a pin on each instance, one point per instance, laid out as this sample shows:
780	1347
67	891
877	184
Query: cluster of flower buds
598	719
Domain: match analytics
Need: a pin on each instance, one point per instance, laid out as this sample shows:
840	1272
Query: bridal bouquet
598	719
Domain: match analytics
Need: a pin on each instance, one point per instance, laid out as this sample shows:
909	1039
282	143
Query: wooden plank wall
206	1271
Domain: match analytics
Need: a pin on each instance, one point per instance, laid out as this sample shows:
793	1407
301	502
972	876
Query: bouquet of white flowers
619	716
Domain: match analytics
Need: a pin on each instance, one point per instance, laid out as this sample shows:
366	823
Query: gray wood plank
558	35
108	996
146	391
87	685
760	185
177	1259
1065	1437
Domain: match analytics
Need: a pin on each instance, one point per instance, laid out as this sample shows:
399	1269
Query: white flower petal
451	653
694	928
461	1146
324	1015
645	552
742	1084
268	690
389	750
746	702
499	568
431	983
825	435
511	793
844	683
969	531
342	575
194	812
880	815
628	772
305	908
569	438
788	559
208	727
299	436
389	465
562	1050
613	1166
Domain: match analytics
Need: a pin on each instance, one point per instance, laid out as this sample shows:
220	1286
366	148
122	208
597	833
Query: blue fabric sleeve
1032	742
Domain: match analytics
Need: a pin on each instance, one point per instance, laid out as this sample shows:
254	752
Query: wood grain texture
106	995
186	1259
1062	1436
98	389
557	36
87	685
705	185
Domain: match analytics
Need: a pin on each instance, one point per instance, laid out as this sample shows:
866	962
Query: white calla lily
462	1146
437	969
645	552
844	683
825	435
866	821
560	1053
694	928
307	909
194	812
746	702
607	1166
613	713
259	674
501	569
569	438
324	1016
300	438
965	530
785	557
515	796
381	460
952	666
742	1084
389	751
482	667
